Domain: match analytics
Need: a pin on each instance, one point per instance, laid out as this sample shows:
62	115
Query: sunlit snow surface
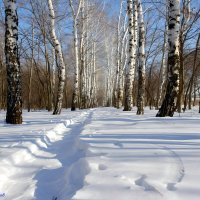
100	154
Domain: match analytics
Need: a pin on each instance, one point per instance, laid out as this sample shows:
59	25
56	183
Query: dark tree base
140	112
127	109
73	108
56	111
14	119
168	106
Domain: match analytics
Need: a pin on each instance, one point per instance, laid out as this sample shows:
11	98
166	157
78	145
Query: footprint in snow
118	144
178	170
102	167
144	184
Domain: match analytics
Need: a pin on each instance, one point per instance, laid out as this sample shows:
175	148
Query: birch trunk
141	69
132	16
53	77
83	52
31	70
118	56
121	70
76	53
14	91
59	61
76	78
93	78
169	103
192	80
182	37
163	70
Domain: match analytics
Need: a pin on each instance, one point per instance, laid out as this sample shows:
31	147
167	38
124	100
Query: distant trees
14	96
78	54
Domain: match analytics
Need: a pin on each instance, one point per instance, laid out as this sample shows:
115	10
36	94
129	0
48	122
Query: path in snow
70	152
43	158
141	157
100	154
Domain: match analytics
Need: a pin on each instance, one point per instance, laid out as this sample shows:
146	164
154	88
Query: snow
100	154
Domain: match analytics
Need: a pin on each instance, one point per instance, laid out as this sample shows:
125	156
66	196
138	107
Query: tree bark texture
59	61
141	68
132	17
75	95
169	103
14	94
163	71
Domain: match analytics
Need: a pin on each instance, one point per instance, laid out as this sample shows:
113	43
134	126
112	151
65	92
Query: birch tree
31	70
169	103
122	52
14	98
132	18
182	38
163	70
83	53
75	15
117	91
59	61
141	68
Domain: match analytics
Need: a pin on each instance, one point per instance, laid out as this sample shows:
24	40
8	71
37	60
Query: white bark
83	52
132	15
141	69
53	76
169	104
59	60
14	96
75	15
116	92
93	78
121	69
163	71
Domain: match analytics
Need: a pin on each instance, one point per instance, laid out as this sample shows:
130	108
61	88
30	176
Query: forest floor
100	154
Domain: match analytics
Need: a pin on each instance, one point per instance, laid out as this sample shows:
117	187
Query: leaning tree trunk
117	101
168	106
59	61
141	69
14	95
192	80
132	15
31	71
163	71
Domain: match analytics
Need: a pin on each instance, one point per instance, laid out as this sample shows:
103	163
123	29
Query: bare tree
141	68
75	15
169	103
163	70
14	98
132	15
59	61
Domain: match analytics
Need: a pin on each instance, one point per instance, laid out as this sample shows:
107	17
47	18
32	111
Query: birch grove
81	54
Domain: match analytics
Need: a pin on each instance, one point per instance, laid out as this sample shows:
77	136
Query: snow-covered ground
100	154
